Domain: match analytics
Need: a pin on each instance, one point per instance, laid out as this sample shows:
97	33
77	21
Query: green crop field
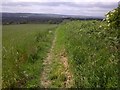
24	48
80	54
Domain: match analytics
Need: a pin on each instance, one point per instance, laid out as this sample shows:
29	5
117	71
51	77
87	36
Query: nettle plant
113	18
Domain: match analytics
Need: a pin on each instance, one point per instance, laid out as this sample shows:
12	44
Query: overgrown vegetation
93	55
90	47
24	48
113	18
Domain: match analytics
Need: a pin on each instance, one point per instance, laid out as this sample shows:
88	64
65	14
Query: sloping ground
92	53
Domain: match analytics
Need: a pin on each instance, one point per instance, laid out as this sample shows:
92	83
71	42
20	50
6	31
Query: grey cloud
89	8
71	4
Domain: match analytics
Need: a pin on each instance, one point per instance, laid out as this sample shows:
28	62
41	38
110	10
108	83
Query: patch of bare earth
69	81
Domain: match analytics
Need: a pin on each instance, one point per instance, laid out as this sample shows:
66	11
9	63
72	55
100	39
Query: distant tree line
19	20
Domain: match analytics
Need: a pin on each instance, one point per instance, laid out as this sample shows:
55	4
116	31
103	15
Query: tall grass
24	48
92	52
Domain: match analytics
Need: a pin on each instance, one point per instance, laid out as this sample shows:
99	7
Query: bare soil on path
44	79
45	82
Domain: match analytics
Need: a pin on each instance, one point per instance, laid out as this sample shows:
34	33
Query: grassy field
74	54
92	52
24	48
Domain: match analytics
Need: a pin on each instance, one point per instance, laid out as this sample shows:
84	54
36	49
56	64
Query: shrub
113	18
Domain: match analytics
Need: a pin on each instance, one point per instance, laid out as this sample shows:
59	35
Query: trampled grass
24	48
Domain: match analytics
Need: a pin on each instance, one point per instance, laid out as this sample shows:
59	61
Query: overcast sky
65	7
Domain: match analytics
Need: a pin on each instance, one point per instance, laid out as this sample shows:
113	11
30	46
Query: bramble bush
113	18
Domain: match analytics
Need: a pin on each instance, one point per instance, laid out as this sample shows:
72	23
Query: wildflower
108	24
115	38
24	71
111	14
17	53
100	26
26	75
99	33
113	56
104	19
50	31
14	79
107	16
80	30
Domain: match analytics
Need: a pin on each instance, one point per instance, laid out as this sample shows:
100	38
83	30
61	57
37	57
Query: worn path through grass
45	82
56	71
